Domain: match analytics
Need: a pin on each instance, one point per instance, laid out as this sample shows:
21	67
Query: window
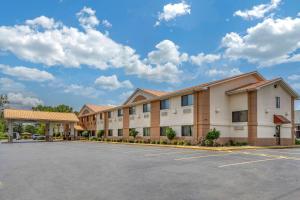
277	102
120	132
187	100
163	130
100	115
120	112
110	132
146	107
164	104
109	115
132	110
240	116
146	132
186	130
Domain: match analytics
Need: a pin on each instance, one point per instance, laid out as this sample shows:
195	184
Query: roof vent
275	86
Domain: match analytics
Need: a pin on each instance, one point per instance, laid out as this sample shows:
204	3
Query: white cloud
106	23
80	90
167	52
43	21
223	72
125	95
26	73
112	82
87	18
9	85
296	86
298	14
258	11
69	47
271	42
18	99
294	77
202	58
171	11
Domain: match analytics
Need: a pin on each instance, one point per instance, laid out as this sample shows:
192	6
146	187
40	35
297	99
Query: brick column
293	119
252	117
155	120
203	113
196	110
126	123
105	118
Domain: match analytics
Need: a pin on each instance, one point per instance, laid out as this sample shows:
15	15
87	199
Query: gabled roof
152	93
260	84
93	109
30	115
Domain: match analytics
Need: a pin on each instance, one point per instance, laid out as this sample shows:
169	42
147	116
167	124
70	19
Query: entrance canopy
29	115
279	119
67	121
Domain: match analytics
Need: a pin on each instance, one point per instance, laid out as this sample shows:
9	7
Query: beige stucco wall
140	120
267	109
115	122
176	115
222	105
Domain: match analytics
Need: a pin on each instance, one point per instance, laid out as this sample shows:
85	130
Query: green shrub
170	133
297	142
133	133
85	134
93	139
180	143
213	134
163	142
100	133
153	142
187	143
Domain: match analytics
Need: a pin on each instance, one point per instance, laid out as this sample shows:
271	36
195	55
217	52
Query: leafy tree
211	137
18	128
59	108
41	129
3	102
171	134
85	134
100	133
133	133
30	129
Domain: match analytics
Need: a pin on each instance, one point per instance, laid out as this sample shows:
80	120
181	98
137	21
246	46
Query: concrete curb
232	148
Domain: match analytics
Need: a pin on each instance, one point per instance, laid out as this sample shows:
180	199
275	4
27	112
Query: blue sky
77	52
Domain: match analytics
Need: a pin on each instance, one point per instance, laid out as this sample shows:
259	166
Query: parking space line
250	162
204	156
167	153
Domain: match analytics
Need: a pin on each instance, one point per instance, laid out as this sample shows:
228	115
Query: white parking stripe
250	162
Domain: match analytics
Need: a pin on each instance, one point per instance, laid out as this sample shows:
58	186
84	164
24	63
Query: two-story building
244	108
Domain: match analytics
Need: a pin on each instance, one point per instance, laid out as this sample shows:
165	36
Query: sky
86	51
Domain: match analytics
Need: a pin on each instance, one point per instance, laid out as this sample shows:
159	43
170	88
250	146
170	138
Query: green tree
41	129
100	133
3	102
133	133
59	108
171	134
18	128
30	129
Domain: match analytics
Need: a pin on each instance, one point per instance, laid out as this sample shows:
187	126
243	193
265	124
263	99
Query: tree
133	133
211	137
41	128
3	102
30	129
18	128
59	108
171	134
100	133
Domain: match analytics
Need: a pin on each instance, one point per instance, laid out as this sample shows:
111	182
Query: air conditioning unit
132	118
187	110
175	111
164	113
146	116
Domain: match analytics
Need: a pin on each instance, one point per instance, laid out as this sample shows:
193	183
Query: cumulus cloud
112	82
125	95
294	77
26	73
202	58
19	100
9	85
87	18
80	90
69	47
223	72
106	23
43	22
258	11
271	42
171	11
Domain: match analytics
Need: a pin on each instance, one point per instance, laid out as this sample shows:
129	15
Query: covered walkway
66	121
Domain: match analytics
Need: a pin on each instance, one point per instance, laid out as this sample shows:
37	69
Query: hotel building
244	108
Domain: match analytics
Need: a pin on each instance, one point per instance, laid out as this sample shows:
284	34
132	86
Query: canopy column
10	131
72	131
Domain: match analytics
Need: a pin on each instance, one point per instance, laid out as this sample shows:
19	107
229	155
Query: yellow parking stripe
250	162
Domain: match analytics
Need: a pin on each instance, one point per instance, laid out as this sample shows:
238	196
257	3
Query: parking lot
84	170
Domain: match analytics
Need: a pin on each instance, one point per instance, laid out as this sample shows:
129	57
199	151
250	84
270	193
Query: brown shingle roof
252	86
97	108
30	115
155	92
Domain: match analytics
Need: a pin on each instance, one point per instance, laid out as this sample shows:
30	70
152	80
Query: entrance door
277	135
